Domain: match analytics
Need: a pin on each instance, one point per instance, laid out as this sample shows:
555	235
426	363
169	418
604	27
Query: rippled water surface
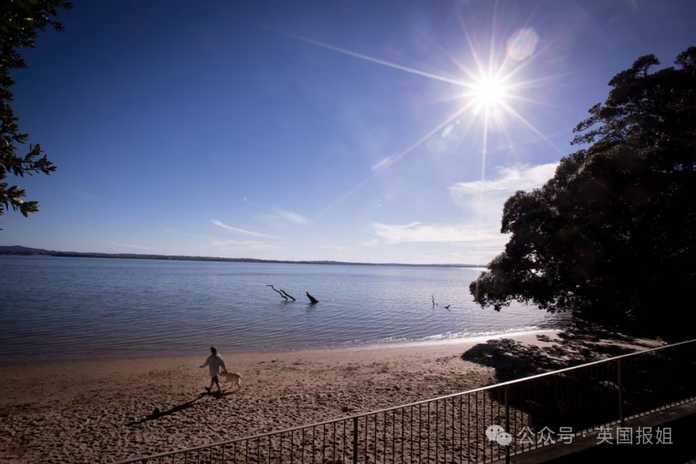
87	307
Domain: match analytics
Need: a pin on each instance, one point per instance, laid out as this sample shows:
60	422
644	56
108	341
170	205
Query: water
87	307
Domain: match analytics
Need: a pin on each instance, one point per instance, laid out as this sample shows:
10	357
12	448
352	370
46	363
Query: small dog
234	378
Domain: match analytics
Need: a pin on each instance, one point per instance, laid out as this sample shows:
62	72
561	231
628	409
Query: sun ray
530	126
345	195
484	148
486	91
379	61
491	43
474	55
460	66
392	159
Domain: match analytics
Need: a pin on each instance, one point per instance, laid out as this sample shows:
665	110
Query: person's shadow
157	414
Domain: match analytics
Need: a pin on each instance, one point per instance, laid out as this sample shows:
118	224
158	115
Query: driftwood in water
312	300
287	295
283	294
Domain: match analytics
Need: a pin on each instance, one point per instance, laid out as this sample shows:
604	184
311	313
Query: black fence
487	424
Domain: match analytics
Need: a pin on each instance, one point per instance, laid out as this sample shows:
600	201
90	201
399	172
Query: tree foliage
612	236
20	23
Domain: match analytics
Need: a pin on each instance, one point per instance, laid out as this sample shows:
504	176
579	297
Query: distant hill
26	251
20	250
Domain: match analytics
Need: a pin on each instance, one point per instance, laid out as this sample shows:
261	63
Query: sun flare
488	93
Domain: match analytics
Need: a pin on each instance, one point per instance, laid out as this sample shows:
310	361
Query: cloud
239	230
482	203
288	216
417	232
482	200
509	180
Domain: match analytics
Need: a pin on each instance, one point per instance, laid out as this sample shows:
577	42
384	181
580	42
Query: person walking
216	365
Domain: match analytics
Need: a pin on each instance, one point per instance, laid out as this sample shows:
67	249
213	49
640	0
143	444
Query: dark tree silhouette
612	236
20	23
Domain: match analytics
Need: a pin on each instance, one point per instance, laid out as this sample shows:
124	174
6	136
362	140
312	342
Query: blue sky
313	130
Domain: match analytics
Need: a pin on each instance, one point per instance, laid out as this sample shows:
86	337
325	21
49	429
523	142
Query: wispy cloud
482	201
239	230
286	216
417	232
509	180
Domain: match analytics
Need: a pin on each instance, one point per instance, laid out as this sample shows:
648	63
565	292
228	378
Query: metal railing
567	403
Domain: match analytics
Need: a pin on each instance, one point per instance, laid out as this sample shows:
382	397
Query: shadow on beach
587	396
157	414
579	342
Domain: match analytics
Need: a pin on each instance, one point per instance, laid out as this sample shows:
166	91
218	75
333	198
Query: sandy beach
83	411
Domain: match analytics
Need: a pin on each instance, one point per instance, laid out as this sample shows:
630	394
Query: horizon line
20	250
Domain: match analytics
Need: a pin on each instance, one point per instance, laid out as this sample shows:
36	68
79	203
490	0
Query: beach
79	411
402	252
89	411
81	380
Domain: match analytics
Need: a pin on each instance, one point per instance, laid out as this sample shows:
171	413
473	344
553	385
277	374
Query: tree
20	23
612	236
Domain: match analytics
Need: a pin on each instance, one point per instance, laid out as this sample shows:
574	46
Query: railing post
355	440
620	383
507	426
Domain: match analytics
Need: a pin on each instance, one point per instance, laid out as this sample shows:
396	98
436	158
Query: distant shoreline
26	251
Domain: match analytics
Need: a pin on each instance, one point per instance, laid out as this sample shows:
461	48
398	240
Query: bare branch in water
287	295
282	294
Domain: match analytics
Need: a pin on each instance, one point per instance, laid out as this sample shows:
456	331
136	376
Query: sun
488	92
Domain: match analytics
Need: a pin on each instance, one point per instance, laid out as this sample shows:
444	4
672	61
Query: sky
342	130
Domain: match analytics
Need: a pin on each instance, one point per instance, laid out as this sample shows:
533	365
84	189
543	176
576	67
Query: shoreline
366	346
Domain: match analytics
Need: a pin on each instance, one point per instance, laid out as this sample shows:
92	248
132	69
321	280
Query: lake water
76	308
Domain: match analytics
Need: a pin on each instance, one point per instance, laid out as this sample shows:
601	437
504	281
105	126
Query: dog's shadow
157	414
